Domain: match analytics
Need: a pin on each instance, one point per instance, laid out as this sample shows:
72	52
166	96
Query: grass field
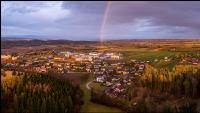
152	54
163	64
146	55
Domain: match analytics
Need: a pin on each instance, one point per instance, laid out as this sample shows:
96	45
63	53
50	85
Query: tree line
182	80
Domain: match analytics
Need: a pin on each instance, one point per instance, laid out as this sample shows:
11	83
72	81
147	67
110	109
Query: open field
146	55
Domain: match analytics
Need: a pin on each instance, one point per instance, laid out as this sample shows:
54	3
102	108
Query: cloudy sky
78	20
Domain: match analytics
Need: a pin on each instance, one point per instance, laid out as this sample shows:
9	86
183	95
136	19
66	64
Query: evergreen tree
16	103
186	84
13	72
194	87
43	106
62	107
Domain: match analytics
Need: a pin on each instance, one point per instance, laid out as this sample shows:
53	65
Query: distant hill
13	42
8	42
14	39
22	37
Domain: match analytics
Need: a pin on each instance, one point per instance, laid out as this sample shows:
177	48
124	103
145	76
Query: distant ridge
47	38
15	39
7	42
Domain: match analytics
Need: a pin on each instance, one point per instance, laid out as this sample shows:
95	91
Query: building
100	79
5	57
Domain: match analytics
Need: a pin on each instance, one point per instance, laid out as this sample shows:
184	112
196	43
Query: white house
100	79
115	57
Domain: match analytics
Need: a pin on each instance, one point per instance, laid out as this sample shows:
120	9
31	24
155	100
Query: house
156	60
120	71
94	54
67	54
125	81
96	66
125	72
129	83
141	67
115	78
14	58
119	89
5	57
108	83
115	57
194	61
113	64
88	69
136	74
147	61
166	59
103	69
133	60
100	79
58	58
41	69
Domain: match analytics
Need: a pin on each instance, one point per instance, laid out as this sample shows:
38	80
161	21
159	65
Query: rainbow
104	21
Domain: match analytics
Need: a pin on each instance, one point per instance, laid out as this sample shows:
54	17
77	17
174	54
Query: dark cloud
126	19
185	14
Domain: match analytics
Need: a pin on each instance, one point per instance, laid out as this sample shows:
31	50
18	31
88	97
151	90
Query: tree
62	107
64	97
13	72
70	103
194	87
167	109
43	106
18	74
186	84
188	108
141	106
16	103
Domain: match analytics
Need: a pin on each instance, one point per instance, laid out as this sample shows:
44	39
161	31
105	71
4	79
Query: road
88	85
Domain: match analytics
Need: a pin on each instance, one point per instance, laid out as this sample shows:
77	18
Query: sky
101	20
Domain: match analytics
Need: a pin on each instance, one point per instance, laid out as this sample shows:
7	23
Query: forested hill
39	93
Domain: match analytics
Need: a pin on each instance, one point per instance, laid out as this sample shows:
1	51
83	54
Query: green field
148	55
152	54
94	107
163	64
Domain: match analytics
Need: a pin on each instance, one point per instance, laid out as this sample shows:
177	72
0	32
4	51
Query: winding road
88	85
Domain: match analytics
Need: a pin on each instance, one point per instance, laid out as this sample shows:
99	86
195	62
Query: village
109	68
